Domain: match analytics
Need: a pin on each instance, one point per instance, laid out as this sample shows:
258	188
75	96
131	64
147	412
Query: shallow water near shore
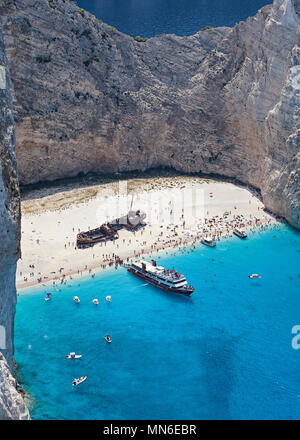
224	353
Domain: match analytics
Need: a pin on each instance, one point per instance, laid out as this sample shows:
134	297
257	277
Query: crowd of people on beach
169	236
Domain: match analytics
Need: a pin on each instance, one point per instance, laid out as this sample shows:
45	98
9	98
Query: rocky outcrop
225	100
11	402
12	406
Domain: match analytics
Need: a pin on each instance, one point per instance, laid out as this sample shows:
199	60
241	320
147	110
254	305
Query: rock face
225	100
12	406
11	402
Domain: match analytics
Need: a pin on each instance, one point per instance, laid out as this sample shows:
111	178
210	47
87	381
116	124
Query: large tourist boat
160	277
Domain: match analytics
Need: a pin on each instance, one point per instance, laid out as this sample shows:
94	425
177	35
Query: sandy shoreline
180	210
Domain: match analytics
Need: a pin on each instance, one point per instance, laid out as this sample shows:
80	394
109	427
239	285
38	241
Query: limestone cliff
12	406
225	100
11	402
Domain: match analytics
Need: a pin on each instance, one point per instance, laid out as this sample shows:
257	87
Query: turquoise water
182	17
224	353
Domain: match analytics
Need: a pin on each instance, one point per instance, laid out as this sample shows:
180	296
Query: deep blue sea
182	17
224	353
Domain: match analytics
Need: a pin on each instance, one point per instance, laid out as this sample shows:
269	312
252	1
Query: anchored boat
79	380
74	356
209	241
240	233
254	276
160	277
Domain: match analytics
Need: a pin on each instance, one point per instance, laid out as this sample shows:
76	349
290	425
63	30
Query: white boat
76	299
79	380
160	277
95	301
48	297
254	276
240	233
108	298
74	356
208	241
107	338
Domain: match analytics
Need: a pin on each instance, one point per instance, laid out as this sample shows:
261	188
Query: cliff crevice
223	101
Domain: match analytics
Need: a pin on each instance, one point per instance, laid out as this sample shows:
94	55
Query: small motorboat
254	276
107	338
48	297
79	380
108	298
74	356
76	299
95	301
208	241
240	233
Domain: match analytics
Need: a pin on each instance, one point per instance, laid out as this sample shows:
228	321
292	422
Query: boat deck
161	272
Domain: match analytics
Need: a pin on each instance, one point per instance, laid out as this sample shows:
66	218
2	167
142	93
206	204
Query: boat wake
140	285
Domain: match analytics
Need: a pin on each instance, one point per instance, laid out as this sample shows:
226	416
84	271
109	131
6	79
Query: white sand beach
180	210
